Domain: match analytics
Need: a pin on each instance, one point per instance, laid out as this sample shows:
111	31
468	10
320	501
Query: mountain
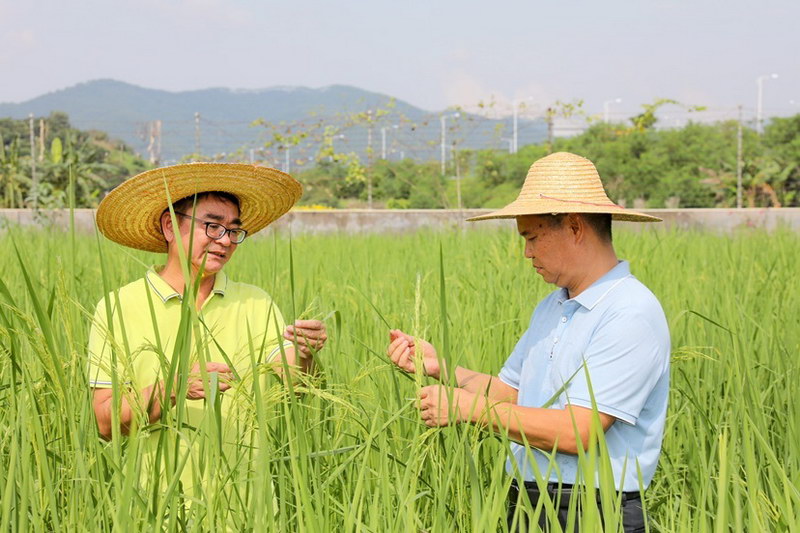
226	119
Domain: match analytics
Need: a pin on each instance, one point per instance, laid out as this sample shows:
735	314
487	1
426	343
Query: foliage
647	118
69	162
694	166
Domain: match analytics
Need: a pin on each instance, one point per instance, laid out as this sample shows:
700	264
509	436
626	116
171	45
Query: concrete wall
405	220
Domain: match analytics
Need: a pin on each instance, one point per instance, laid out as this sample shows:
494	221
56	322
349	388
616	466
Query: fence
408	220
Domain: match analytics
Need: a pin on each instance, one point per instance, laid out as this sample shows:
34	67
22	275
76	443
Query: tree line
641	166
694	166
63	165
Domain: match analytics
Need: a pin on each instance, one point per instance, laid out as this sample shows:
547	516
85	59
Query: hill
225	125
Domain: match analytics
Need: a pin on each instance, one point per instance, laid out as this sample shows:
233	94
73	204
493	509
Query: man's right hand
196	389
402	351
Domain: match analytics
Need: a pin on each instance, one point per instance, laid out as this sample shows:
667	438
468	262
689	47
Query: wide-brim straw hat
564	183
131	213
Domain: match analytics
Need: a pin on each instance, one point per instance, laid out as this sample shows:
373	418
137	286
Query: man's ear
167	228
576	225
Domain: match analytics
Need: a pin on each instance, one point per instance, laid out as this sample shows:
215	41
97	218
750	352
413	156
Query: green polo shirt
239	324
234	318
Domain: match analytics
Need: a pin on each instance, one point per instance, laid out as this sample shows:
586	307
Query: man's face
547	246
215	253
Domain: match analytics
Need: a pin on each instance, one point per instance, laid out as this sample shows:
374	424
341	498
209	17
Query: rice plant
345	450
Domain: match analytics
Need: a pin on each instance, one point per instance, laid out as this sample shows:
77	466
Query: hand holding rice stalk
308	332
402	347
402	351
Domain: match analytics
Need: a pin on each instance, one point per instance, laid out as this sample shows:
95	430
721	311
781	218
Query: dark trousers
631	508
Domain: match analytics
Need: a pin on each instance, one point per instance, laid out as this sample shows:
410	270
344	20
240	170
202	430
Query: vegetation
349	452
68	163
694	166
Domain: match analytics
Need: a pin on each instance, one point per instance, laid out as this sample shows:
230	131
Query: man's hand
196	389
403	349
436	410
310	336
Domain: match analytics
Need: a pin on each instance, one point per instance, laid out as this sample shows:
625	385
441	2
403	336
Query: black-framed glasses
216	231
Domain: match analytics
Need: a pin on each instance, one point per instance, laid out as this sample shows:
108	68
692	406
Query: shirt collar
600	288
165	291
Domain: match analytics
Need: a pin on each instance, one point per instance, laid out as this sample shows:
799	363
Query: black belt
554	489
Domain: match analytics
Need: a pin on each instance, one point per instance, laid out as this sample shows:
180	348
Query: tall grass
349	451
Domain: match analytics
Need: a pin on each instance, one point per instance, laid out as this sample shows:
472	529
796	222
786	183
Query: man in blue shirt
601	339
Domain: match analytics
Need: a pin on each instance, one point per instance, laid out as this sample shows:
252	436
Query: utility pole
42	136
458	176
287	167
332	157
369	159
515	129
515	125
550	114
606	114
739	162
196	135
154	143
35	194
383	143
443	120
158	141
443	154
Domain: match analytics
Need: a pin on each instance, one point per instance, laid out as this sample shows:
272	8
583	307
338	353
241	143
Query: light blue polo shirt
618	328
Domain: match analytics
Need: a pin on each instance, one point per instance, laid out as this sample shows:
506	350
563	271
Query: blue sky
430	54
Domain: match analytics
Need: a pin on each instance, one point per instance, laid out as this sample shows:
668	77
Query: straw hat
564	183
131	213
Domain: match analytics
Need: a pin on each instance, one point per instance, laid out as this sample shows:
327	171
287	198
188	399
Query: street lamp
333	149
605	107
443	119
759	108
515	134
383	139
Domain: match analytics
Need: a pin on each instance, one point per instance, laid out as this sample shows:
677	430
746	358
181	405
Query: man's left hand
435	408
310	336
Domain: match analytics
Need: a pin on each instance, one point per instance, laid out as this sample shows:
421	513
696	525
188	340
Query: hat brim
519	209
131	214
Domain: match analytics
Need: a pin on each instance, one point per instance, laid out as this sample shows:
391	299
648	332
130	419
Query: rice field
345	451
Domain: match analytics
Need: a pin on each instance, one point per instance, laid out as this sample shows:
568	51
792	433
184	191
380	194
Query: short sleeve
99	349
625	359
511	372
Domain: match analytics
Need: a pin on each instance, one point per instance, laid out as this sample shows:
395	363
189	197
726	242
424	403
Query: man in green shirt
150	346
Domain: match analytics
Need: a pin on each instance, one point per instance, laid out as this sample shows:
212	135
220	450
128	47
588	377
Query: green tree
13	182
782	146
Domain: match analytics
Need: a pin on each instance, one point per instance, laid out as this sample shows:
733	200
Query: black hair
599	222
186	204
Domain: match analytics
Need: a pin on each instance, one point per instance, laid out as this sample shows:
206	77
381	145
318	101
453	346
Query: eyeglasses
217	231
